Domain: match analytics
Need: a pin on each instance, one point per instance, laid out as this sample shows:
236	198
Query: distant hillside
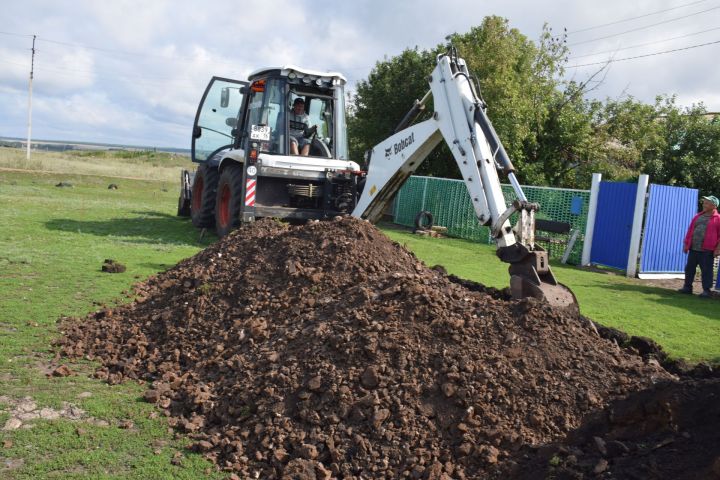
61	146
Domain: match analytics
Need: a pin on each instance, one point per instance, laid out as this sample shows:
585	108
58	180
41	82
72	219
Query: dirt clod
62	371
111	266
328	351
126	424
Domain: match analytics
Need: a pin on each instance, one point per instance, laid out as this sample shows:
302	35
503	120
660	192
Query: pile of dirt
326	350
667	432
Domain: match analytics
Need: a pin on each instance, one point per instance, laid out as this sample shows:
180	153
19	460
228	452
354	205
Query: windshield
312	122
300	120
266	109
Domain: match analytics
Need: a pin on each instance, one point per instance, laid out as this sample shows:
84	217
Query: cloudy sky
132	72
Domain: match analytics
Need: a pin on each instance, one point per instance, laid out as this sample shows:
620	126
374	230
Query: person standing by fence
702	244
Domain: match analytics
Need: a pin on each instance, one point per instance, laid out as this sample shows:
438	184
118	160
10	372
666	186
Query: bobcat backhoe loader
246	171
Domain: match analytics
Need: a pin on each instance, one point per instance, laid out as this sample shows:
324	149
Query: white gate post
637	225
592	210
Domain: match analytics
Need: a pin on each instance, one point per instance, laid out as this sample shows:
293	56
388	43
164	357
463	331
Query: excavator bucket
531	276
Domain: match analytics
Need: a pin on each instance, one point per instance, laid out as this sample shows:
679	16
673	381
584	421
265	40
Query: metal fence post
590	226
422	208
637	226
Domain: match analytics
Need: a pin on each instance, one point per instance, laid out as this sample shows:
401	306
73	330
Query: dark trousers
705	260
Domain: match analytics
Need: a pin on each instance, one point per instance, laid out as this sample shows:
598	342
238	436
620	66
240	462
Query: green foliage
674	145
516	77
382	100
691	156
551	131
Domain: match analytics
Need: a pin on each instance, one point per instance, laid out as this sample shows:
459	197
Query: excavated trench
328	351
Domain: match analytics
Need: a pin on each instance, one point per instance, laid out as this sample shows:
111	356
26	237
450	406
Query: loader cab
271	95
232	111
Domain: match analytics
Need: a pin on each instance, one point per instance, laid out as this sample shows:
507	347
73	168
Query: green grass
53	242
117	163
686	326
52	245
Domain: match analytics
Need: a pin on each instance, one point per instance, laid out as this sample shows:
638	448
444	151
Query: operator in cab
299	125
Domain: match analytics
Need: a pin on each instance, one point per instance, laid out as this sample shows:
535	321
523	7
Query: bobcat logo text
401	145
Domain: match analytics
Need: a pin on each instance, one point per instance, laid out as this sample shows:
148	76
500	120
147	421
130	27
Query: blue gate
669	212
613	224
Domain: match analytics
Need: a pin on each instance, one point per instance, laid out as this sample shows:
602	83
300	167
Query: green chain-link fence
450	204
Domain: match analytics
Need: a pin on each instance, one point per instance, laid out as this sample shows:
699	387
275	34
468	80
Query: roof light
258	86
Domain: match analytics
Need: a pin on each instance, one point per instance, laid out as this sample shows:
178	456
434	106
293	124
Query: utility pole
32	67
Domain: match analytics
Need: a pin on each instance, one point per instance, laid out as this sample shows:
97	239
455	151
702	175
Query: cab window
266	108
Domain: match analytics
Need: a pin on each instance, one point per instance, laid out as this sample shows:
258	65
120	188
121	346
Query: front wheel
202	206
228	202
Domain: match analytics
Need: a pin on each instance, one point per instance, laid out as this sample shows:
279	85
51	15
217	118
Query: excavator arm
460	119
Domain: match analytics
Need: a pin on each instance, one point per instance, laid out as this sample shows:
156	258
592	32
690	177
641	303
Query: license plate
260	132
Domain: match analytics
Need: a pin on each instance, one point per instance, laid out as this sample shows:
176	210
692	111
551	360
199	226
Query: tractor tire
202	208
229	200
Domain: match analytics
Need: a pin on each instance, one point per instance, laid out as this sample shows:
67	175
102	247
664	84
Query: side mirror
197	131
224	97
243	89
231	122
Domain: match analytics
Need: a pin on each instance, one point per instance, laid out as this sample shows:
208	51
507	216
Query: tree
691	157
674	145
566	146
553	134
517	79
382	100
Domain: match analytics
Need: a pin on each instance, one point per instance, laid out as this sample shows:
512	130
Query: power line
100	72
644	44
642	28
85	74
16	34
106	50
634	18
643	56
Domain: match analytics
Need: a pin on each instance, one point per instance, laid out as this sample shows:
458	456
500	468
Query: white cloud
14	68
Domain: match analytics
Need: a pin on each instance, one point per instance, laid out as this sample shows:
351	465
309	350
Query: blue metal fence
669	212
613	224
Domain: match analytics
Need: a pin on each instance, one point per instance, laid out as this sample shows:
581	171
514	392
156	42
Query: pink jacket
712	234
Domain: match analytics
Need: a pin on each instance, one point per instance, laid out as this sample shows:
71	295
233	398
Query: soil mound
667	432
326	350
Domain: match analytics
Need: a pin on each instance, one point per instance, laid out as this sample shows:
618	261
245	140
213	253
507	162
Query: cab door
217	116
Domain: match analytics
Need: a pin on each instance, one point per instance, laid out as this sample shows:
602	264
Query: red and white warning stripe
250	193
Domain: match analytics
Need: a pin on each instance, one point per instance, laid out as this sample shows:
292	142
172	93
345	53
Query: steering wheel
310	132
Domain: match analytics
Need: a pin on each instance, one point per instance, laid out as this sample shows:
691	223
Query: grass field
52	244
130	164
